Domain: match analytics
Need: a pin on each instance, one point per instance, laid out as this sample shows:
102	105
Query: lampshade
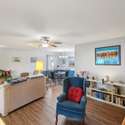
39	65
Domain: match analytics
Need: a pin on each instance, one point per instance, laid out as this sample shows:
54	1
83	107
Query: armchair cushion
75	94
70	106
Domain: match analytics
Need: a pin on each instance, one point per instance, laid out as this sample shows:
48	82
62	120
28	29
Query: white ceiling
68	21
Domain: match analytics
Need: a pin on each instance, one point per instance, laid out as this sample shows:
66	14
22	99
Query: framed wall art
110	55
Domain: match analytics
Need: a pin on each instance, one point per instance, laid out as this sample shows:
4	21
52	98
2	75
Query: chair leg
56	119
82	121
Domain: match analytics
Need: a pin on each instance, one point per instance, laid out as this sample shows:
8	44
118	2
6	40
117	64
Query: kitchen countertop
4	83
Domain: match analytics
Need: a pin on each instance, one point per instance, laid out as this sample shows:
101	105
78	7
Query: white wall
6	59
85	59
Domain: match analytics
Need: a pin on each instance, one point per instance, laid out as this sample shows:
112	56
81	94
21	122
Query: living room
62	62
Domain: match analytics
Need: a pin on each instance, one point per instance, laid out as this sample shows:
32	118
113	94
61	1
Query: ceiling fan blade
52	45
57	42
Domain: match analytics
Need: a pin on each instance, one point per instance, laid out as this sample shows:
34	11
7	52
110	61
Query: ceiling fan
45	42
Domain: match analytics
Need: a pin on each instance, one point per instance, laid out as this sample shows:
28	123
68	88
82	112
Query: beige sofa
13	96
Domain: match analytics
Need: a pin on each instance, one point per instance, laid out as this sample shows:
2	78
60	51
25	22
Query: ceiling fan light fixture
45	45
44	42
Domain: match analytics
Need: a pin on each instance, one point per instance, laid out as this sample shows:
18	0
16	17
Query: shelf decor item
110	55
83	73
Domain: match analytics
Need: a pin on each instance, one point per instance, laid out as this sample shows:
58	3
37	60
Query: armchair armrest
83	101
62	97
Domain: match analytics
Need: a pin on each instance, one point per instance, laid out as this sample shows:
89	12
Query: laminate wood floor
42	112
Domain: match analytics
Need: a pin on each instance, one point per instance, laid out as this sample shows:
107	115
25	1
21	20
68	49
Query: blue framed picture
110	55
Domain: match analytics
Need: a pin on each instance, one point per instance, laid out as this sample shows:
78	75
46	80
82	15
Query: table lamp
39	66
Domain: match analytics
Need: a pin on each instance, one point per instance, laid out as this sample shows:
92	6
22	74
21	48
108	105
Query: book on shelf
107	98
101	95
119	101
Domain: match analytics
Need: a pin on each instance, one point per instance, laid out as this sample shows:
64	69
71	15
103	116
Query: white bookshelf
110	103
113	98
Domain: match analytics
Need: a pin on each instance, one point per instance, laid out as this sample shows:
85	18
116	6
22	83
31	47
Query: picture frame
33	59
16	59
108	55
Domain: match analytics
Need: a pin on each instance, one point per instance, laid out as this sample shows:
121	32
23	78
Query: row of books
108	97
101	95
119	101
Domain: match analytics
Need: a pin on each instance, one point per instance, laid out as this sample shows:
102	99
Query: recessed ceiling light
2	46
45	45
